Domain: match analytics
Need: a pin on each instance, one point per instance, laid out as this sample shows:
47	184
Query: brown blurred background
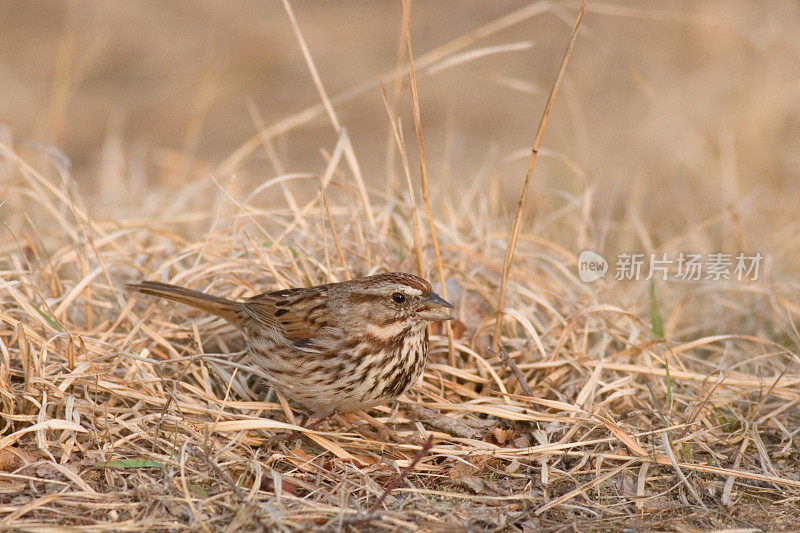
682	117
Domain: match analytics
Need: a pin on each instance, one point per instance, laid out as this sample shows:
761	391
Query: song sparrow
341	346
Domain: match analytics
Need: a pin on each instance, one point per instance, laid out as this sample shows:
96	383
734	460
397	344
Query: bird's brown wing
300	314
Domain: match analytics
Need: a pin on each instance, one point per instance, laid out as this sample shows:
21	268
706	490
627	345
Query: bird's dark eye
398	297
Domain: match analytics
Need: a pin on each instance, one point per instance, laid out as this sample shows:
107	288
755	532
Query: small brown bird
347	346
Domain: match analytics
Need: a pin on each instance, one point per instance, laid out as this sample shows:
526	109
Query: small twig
514	369
404	473
465	429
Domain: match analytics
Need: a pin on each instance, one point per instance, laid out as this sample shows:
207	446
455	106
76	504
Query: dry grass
119	413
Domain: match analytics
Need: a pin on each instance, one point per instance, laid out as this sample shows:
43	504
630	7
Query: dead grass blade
423	172
514	235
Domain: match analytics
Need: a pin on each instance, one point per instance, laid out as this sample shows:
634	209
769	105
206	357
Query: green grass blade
48	319
655	318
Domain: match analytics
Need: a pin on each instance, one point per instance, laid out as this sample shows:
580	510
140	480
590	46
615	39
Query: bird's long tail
227	309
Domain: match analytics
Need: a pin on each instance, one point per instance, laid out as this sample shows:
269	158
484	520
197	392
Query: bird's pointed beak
434	308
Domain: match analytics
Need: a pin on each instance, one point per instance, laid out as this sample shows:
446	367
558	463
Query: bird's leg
318	422
311	426
384	432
